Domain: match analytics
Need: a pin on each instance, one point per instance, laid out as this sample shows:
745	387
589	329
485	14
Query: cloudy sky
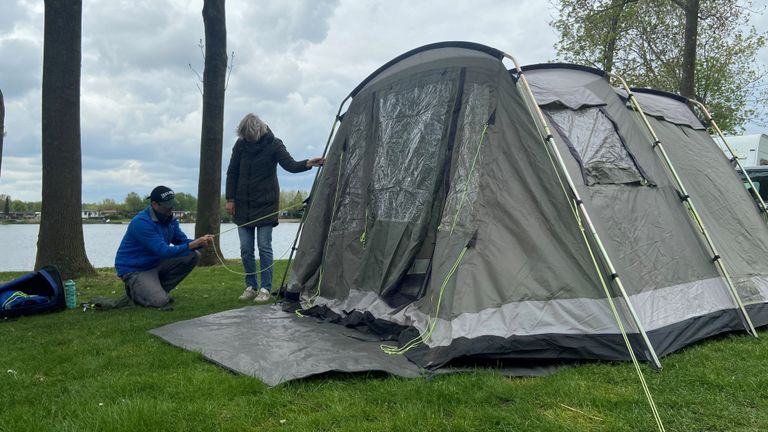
294	62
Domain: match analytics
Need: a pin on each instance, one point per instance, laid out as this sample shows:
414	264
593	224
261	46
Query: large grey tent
453	220
440	211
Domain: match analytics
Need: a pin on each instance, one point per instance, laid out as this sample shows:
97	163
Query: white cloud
295	61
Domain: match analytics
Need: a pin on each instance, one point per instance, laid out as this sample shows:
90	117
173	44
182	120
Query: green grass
102	371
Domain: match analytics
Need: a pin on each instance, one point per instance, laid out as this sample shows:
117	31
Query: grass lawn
102	371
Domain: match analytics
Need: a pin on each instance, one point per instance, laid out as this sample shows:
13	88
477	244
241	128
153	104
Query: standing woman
253	197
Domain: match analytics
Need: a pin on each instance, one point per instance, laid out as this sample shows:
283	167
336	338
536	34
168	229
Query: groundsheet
275	346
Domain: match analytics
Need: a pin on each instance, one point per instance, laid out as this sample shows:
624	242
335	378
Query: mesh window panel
592	135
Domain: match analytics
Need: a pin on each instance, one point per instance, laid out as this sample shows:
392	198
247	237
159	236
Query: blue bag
35	292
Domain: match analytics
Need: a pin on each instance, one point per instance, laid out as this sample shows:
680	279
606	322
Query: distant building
184	215
17	216
91	214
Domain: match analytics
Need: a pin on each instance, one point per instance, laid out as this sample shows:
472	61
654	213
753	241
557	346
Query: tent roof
429	52
565	84
670	107
566	66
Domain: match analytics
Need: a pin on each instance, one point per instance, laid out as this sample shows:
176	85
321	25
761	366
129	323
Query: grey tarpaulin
275	346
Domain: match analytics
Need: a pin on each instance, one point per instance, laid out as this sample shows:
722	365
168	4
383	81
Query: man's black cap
164	196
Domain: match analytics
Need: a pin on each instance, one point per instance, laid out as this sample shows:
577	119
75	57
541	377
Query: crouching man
155	255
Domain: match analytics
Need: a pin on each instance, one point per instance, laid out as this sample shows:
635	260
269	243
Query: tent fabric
668	107
442	212
573	98
719	197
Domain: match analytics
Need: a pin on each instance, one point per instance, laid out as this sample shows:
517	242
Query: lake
18	243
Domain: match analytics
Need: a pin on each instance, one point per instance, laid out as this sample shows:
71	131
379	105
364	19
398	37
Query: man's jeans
263	239
151	287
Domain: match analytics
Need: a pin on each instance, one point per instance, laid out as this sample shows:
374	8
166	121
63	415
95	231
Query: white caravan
752	150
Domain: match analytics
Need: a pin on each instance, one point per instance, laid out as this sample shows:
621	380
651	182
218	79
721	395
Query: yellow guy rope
220	256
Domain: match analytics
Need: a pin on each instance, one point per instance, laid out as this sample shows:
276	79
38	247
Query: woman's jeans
263	239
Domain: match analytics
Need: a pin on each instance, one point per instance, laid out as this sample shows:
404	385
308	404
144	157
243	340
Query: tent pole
688	201
583	210
733	158
312	191
293	247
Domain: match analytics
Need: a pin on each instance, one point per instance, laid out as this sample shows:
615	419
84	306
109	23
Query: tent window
412	121
597	146
352	187
465	180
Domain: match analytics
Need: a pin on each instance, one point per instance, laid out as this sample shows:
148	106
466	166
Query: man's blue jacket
149	241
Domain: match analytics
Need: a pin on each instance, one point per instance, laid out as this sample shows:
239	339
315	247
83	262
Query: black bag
45	282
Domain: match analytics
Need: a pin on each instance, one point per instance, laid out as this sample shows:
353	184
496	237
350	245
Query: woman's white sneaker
262	296
248	294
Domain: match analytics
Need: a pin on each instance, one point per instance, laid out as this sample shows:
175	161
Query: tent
467	212
442	218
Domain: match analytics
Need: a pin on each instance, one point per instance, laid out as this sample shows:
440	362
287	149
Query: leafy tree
187	202
214	74
18	206
23	206
109	204
7	206
60	239
290	202
703	49
133	203
91	206
223	215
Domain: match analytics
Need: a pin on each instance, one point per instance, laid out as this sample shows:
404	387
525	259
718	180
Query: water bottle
70	295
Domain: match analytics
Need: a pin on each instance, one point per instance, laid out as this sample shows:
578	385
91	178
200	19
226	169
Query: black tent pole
308	204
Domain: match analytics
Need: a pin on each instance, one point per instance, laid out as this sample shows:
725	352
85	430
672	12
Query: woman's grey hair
251	128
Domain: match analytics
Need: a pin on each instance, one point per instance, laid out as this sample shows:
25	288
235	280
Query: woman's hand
315	162
230	208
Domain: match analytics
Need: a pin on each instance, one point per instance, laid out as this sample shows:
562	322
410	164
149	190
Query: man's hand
200	242
230	208
315	162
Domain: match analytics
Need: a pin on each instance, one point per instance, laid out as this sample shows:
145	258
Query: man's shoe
248	294
262	296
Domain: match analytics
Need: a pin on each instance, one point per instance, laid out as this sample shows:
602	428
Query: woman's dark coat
252	178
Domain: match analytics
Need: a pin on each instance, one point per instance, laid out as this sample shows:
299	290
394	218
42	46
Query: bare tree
214	77
60	240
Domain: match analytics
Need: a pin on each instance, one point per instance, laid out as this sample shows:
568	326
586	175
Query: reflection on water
18	243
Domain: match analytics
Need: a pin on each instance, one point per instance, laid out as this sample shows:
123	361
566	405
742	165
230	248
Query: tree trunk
688	78
2	130
612	35
60	240
214	76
